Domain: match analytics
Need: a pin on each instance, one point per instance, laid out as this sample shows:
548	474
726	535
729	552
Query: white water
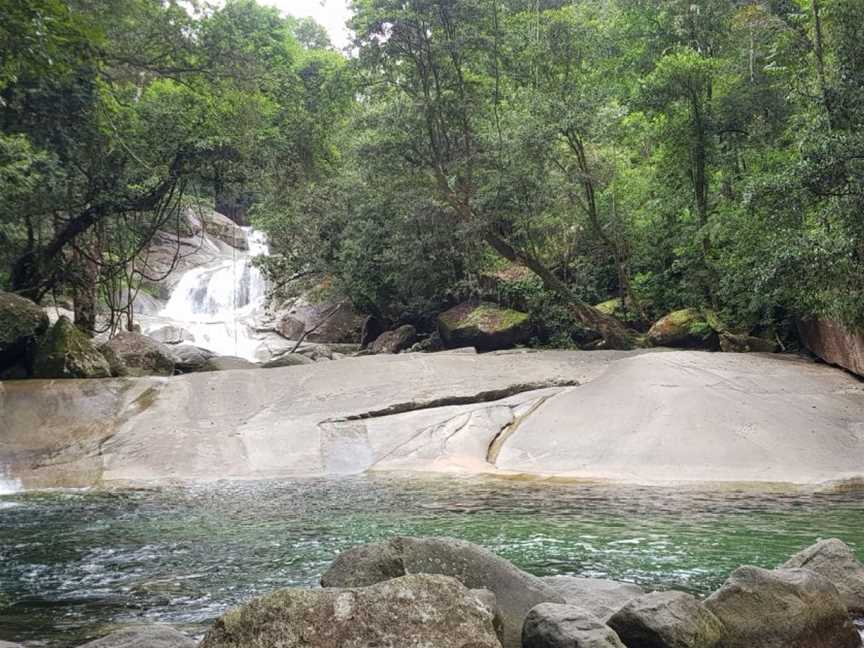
8	485
218	303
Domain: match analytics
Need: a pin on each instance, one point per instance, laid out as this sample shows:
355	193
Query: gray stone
218	226
133	354
485	326
779	608
687	328
516	592
190	359
836	561
667	620
65	352
317	318
288	360
21	322
147	636
171	335
395	341
420	610
600	597
552	625
227	363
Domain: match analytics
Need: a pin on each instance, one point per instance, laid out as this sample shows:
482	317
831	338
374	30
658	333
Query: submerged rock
600	597
836	561
395	341
66	352
485	326
667	620
779	608
552	625
21	322
133	354
148	636
418	610
515	591
687	328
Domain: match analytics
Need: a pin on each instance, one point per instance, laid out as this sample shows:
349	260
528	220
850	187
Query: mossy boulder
416	610
133	354
688	328
66	352
21	323
395	341
667	619
485	326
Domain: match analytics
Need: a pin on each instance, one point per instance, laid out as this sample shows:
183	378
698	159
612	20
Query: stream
75	563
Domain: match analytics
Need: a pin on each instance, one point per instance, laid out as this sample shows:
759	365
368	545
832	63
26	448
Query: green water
72	564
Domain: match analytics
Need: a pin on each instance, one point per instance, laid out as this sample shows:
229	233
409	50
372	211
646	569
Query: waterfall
8	485
217	303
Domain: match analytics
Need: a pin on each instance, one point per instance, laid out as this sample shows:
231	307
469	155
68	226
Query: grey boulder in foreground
550	625
599	596
673	619
516	591
655	417
834	560
419	611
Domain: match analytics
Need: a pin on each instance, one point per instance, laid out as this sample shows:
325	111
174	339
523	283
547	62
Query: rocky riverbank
446	593
634	417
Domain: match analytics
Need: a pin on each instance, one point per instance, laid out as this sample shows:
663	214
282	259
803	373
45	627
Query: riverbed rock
318	316
219	227
779	608
170	334
516	591
395	341
836	561
485	326
228	363
66	352
599	596
146	636
834	343
418	610
742	343
138	355
552	625
687	328
189	358
667	620
288	360
21	323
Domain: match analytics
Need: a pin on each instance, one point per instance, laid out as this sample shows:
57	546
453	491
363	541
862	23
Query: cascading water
217	303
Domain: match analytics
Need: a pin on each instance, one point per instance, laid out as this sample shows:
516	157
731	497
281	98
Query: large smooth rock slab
836	561
516	592
148	636
599	596
551	625
779	608
419	610
695	416
667	620
834	343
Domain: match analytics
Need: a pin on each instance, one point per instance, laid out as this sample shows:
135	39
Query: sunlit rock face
655	417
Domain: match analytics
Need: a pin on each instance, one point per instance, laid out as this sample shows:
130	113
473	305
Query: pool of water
74	564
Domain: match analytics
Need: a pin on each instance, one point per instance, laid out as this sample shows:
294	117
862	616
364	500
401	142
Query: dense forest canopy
668	153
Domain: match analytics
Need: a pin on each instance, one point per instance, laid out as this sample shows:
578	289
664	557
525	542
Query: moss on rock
66	352
484	325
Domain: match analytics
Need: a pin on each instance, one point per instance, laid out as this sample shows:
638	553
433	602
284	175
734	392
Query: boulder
686	328
732	343
779	608
551	625
66	352
372	328
834	343
21	322
227	363
189	358
667	620
171	335
420	610
516	591
600	597
485	326
146	636
836	561
133	354
288	360
321	319
395	341
218	226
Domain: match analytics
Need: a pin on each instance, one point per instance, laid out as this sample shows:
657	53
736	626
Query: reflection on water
73	563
